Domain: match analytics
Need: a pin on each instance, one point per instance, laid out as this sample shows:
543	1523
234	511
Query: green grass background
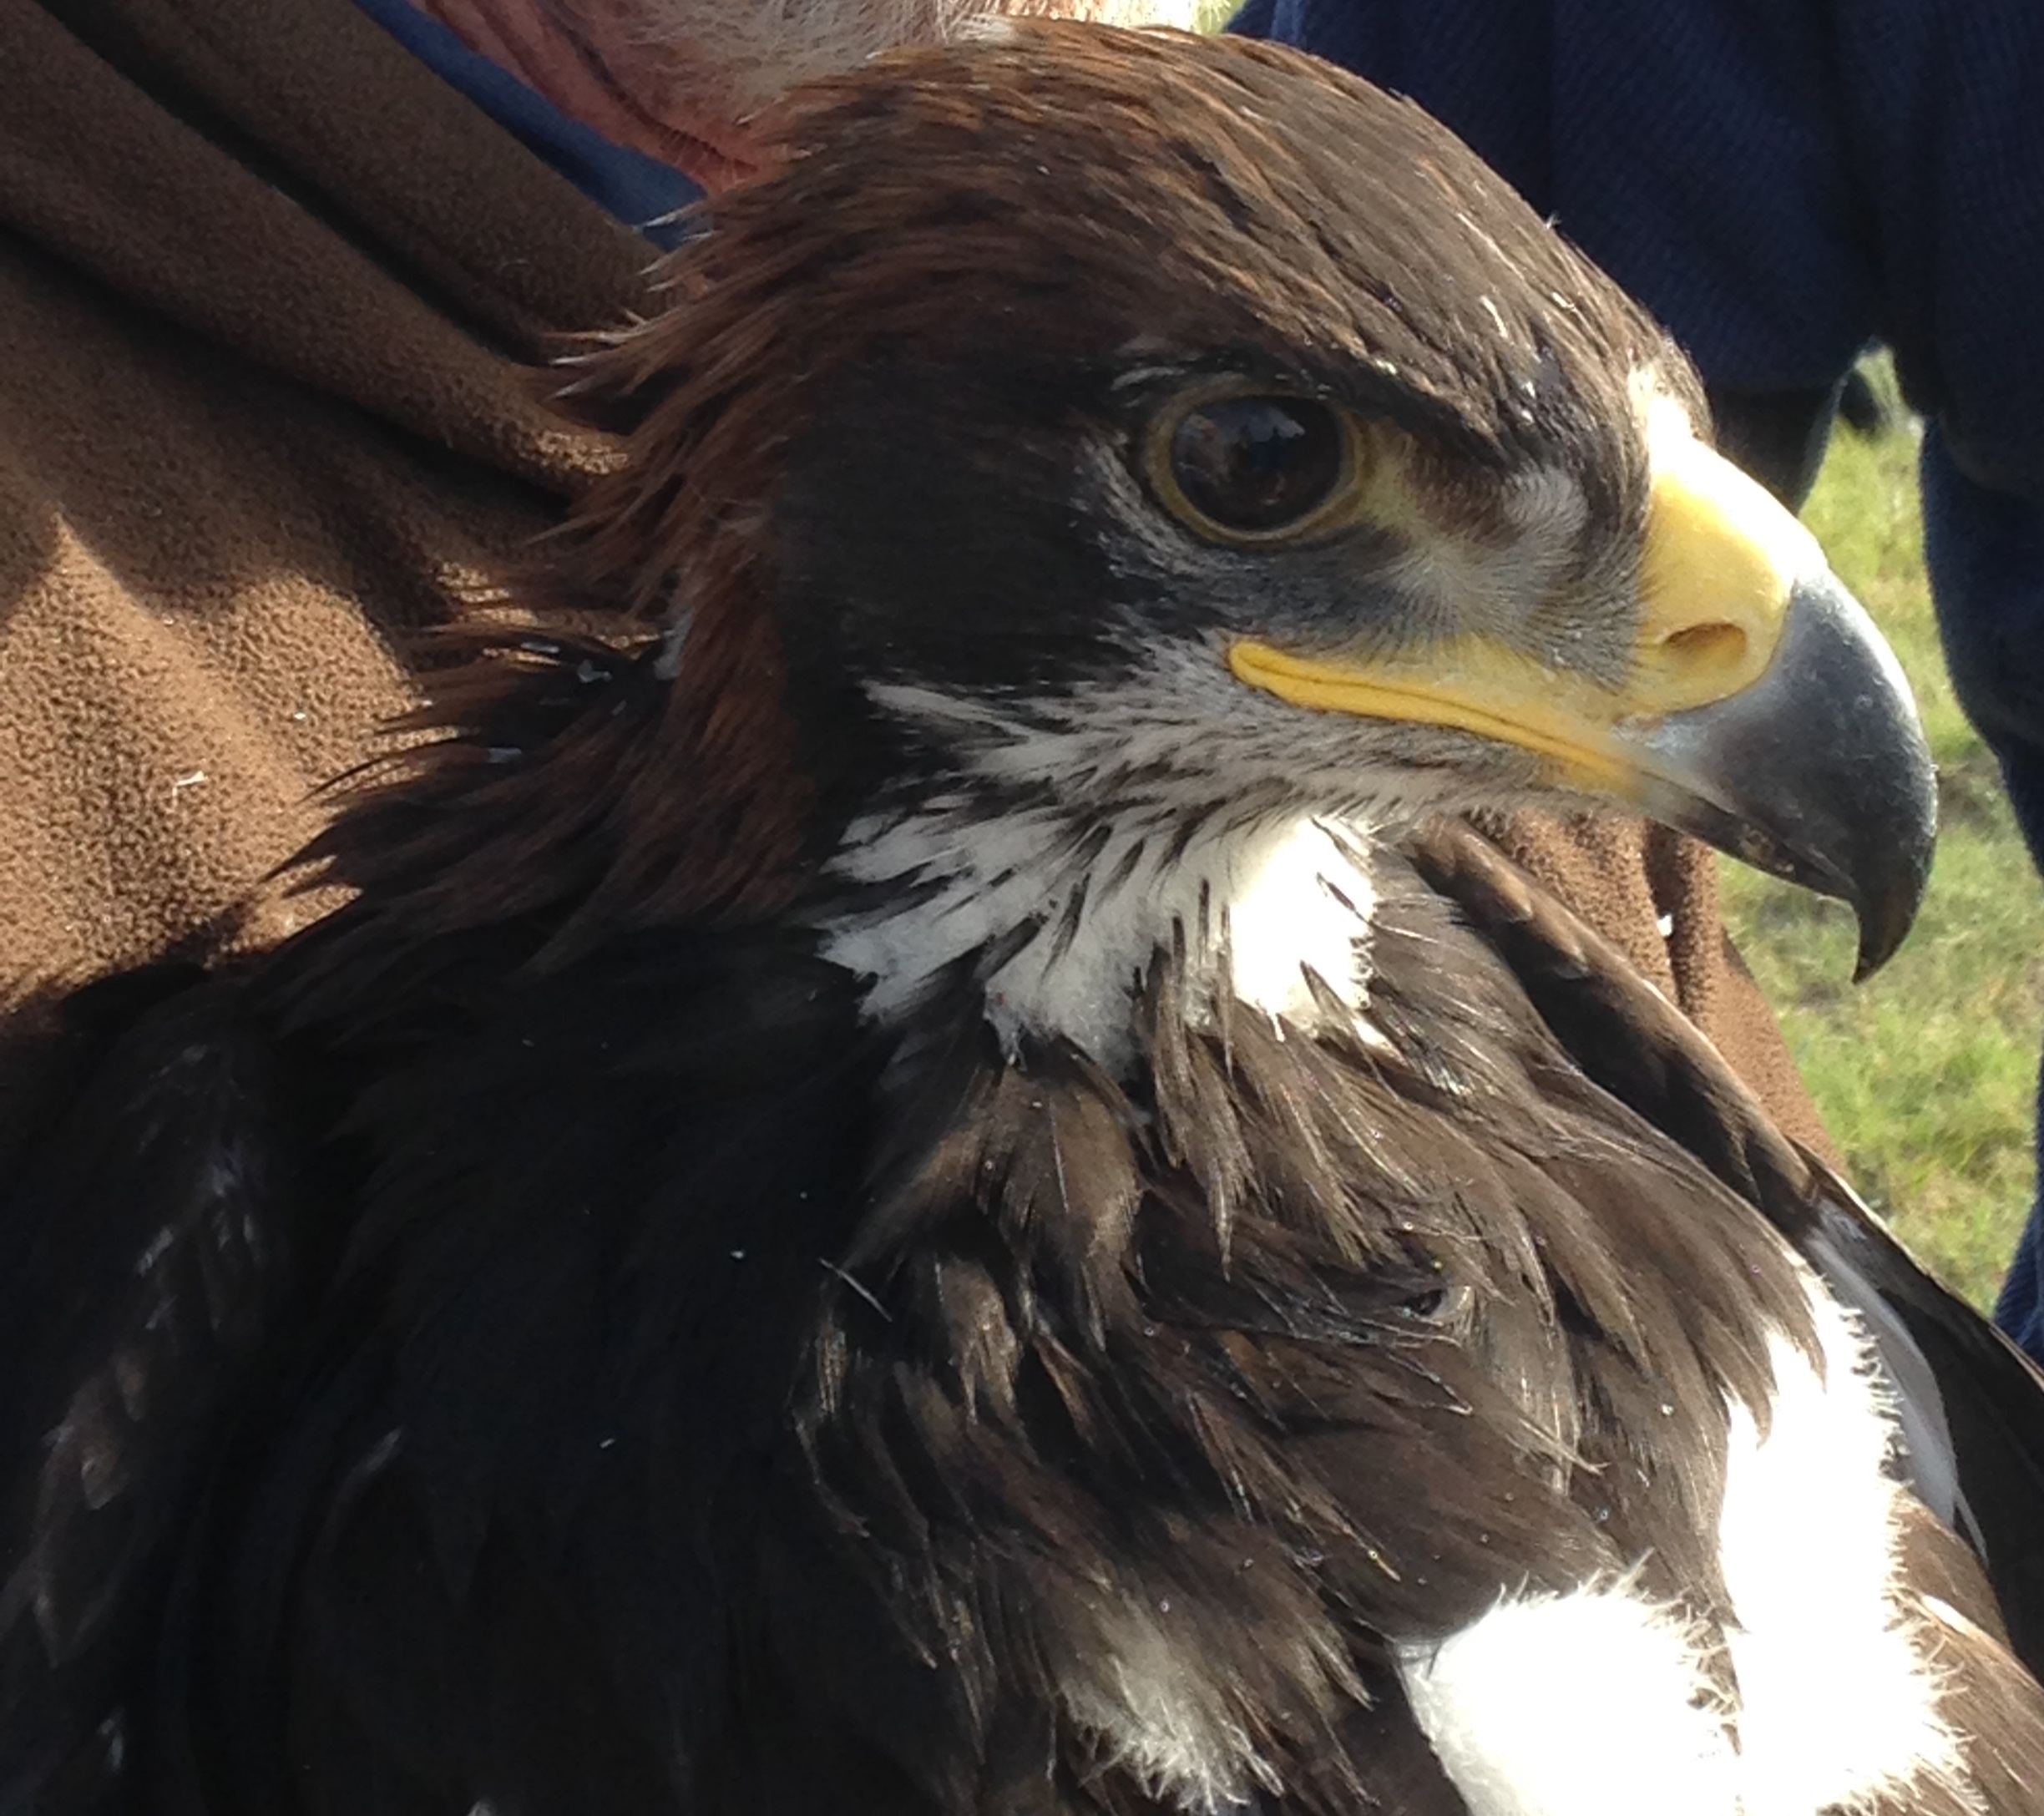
1927	1073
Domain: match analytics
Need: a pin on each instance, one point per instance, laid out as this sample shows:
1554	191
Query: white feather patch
1116	820
1590	1704
1838	1700
1280	897
1598	1702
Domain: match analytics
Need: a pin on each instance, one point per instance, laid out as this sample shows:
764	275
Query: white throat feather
1078	843
1272	912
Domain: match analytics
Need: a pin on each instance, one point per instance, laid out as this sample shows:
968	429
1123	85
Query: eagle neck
1057	915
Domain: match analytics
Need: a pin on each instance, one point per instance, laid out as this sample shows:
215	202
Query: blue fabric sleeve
639	191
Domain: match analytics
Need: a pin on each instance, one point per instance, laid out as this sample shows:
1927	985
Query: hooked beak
1763	713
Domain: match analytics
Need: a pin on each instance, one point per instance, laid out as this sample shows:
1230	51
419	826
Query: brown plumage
937	1190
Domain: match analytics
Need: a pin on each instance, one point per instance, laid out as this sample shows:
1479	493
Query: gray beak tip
1818	772
1889	895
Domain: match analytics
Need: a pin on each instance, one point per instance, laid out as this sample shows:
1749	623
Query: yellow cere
1720	557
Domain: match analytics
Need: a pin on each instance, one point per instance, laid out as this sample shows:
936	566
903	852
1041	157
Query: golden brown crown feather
1082	182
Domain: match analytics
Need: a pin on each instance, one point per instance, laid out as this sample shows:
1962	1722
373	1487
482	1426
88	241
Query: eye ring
1249	466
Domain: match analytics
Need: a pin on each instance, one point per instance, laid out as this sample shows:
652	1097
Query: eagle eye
1252	467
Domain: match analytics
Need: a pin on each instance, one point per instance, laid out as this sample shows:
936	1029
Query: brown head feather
1088	193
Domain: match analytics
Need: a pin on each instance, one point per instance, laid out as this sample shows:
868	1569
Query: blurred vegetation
1926	1074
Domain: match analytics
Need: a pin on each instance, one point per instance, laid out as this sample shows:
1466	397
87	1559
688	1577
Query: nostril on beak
1693	664
1719	646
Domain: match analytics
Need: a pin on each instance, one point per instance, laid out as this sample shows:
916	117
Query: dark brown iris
1256	465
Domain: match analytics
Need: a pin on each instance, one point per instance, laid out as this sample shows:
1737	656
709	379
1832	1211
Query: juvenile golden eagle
939	1191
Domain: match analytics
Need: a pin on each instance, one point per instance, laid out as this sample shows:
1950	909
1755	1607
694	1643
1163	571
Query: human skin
679	80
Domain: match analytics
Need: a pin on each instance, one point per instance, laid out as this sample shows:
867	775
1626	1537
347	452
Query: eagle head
1105	485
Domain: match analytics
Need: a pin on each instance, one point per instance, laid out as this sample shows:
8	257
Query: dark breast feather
599	1220
154	1237
695	1401
1222	1356
1971	1404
